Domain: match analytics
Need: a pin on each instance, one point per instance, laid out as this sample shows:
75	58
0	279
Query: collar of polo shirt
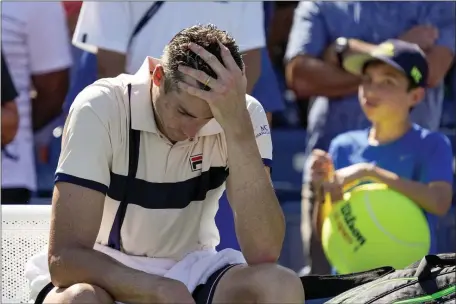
141	106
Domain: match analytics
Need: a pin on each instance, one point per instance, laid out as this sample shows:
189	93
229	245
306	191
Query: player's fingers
206	95
201	77
228	59
209	58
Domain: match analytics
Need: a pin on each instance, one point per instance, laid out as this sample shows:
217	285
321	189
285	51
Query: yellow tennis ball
374	226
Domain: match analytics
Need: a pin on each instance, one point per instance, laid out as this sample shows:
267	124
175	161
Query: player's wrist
238	127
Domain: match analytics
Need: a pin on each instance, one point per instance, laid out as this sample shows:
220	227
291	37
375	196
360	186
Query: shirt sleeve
249	32
86	155
105	25
9	92
261	129
442	15
438	162
47	38
308	34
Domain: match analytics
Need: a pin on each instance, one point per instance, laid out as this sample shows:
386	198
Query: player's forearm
124	284
428	198
259	220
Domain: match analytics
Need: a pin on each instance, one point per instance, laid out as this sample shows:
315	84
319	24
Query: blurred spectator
314	55
295	113
267	89
124	33
84	69
36	47
10	117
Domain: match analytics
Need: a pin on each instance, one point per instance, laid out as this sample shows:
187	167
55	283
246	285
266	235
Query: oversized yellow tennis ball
374	226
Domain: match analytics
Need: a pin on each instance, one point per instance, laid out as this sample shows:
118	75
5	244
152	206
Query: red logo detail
196	162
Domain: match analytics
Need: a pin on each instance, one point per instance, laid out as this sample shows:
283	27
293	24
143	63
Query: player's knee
272	283
80	293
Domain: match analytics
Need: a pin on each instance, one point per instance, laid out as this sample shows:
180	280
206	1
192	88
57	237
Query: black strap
329	286
133	159
424	269
145	18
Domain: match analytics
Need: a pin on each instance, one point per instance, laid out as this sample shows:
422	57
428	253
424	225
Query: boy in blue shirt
408	158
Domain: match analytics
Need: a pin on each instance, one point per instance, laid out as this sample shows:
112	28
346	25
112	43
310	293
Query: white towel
194	269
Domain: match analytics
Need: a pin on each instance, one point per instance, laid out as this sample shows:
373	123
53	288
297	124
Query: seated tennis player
408	158
144	161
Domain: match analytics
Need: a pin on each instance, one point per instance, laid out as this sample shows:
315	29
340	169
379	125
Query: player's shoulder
105	97
253	105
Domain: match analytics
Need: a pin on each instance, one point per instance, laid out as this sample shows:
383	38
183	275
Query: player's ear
417	95
158	75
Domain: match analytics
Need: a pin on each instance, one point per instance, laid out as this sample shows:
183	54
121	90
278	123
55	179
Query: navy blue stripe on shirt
86	183
177	195
267	162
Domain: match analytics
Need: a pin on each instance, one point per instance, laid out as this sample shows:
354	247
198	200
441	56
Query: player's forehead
189	104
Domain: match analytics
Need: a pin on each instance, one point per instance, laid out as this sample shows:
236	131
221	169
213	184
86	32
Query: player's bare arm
75	222
259	220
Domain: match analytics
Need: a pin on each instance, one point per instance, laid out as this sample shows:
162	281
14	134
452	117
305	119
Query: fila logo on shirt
196	162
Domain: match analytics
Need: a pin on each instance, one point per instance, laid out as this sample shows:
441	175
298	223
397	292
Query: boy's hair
177	53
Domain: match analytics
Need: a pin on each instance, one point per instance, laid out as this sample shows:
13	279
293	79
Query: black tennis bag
431	280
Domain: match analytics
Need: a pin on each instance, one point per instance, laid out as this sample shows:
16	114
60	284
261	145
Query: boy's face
384	93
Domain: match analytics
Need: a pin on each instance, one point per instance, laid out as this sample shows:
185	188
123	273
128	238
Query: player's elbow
58	261
265	250
263	256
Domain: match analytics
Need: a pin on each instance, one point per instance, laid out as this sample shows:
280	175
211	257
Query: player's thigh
79	293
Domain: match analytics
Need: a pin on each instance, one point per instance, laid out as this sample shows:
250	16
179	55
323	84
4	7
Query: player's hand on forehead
225	72
227	95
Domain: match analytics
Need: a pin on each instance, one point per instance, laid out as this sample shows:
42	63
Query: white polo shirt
174	197
34	41
109	25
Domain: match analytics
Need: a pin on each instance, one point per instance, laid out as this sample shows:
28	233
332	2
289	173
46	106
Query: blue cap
404	56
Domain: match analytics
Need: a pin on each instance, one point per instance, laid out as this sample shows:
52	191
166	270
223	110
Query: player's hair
177	53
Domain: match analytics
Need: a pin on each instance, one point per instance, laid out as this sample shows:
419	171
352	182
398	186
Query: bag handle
424	269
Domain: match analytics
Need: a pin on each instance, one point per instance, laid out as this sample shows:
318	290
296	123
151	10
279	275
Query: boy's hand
334	188
321	168
352	175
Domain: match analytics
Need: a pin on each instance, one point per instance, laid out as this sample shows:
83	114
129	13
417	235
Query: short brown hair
176	52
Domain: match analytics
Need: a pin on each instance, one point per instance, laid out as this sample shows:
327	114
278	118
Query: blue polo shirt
317	24
419	155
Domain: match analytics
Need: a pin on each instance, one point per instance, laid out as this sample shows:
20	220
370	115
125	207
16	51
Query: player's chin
178	136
